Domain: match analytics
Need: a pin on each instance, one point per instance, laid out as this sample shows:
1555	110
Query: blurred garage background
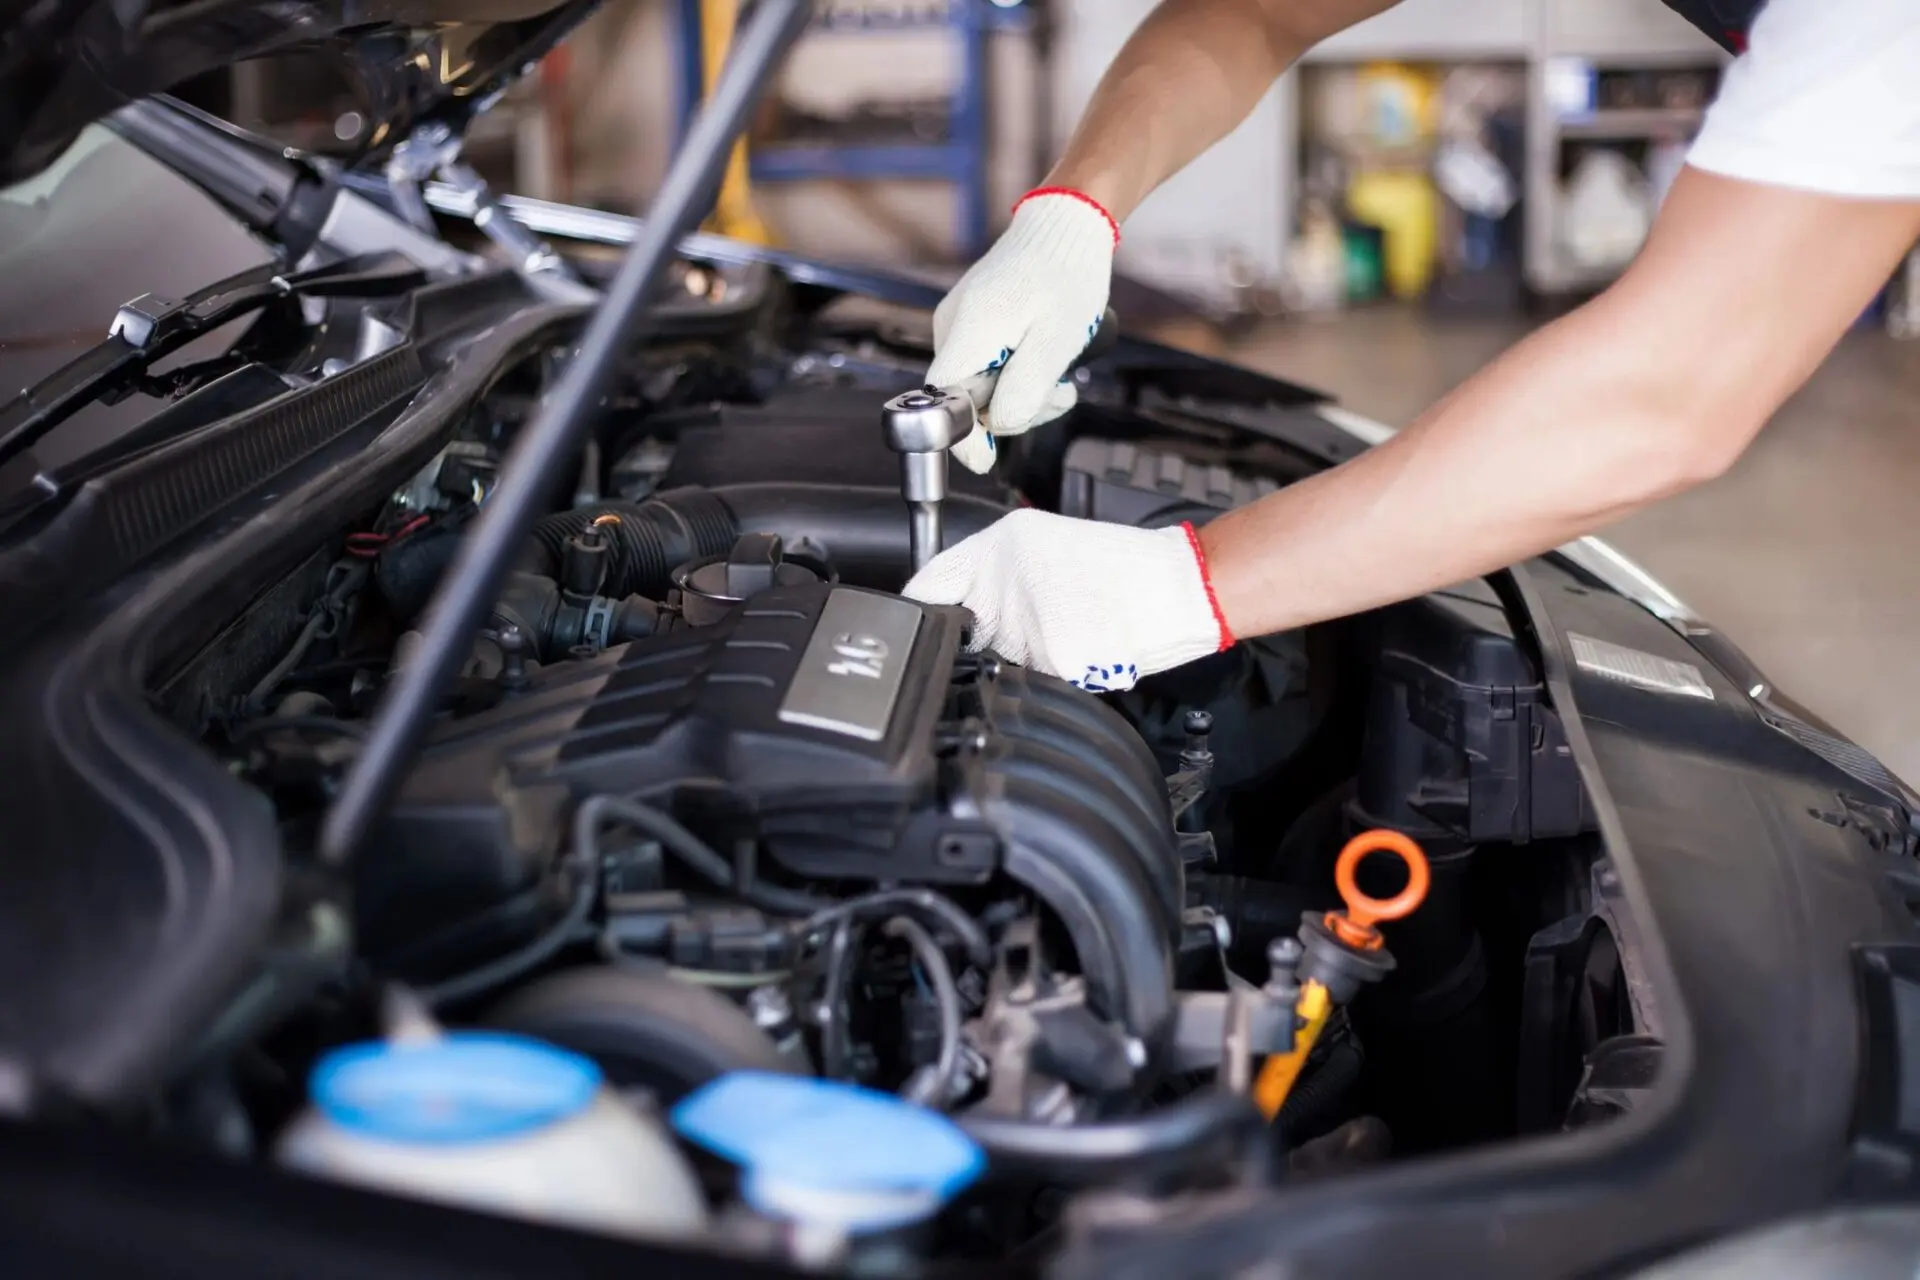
1409	201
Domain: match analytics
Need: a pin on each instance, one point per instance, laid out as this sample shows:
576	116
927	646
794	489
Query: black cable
344	581
834	1049
842	917
1187	1133
923	902
498	973
932	1087
689	848
277	674
534	467
760	893
1313	1104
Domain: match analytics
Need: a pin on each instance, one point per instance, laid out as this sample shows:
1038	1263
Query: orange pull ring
1355	926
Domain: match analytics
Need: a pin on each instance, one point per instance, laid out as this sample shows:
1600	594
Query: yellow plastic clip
1278	1073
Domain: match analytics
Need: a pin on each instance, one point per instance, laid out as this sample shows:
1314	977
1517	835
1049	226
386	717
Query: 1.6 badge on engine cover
849	677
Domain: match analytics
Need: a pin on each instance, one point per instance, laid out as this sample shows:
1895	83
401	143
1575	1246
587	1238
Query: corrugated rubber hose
649	539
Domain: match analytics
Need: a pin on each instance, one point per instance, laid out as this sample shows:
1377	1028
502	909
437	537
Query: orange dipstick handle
1355	926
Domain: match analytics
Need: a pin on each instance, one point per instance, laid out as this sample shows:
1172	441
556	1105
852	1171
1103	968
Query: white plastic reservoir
495	1122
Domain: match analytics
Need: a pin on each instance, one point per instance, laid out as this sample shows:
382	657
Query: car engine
836	733
710	800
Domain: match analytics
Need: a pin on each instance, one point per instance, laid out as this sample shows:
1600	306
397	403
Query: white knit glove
1007	332
1099	604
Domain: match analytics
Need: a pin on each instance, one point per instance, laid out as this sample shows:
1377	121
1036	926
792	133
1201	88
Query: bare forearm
1536	450
1656	385
1184	80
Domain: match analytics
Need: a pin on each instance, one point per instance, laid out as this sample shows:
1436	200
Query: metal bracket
434	150
1215	1029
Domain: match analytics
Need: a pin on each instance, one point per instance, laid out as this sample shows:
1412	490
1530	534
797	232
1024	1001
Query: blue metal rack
960	160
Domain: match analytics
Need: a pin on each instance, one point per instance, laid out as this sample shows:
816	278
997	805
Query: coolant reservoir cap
461	1087
813	1149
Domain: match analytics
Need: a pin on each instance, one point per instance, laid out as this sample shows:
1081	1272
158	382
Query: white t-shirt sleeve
1826	98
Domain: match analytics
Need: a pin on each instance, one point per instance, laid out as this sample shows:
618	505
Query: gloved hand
1007	332
1098	604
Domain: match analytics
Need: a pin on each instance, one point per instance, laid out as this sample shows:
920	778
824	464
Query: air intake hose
649	539
861	530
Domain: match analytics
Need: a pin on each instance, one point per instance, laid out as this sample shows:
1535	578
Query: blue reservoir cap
463	1087
822	1136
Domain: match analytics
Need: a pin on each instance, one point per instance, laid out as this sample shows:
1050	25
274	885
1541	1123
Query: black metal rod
533	466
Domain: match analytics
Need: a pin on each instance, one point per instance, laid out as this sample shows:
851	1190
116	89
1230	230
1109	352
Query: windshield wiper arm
151	327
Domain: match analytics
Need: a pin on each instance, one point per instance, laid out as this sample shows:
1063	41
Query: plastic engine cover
841	729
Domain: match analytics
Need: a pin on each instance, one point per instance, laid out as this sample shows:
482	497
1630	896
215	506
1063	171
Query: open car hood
66	63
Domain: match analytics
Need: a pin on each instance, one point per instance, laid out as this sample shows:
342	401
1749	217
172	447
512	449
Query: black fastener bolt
513	657
1198	724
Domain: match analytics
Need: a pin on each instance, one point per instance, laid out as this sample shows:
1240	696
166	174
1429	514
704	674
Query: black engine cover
846	734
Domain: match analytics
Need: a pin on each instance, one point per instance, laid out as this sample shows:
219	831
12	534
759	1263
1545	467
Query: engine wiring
922	902
838	925
327	620
832	1015
932	1086
369	543
571	927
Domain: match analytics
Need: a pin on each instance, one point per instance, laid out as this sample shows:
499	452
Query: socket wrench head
927	420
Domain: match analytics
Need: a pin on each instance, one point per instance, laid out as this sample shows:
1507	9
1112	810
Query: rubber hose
1258	911
516	964
932	1086
1188	1132
649	539
408	571
861	529
690	849
1315	1099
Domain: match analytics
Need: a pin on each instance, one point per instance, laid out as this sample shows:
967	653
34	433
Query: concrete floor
1807	553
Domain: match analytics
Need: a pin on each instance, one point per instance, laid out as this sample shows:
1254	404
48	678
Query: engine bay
478	800
711	801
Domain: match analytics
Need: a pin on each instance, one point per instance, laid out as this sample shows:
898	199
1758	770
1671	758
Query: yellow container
1405	206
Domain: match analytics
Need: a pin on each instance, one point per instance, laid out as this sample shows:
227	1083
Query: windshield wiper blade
151	327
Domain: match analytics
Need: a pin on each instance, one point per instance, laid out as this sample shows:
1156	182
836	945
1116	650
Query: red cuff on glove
1071	194
1206	580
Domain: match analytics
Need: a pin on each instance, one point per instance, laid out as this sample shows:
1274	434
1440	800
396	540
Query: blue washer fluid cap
825	1138
463	1087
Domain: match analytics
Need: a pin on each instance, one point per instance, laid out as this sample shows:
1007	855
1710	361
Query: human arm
1185	78
1656	385
1801	195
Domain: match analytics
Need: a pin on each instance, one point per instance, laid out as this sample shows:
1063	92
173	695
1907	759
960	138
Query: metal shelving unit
1550	269
1615	35
960	160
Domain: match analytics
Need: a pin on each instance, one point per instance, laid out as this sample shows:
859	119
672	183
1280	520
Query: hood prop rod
533	467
